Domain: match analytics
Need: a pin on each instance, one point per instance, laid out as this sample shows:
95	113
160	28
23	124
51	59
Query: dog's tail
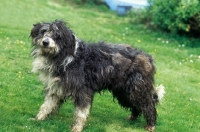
159	93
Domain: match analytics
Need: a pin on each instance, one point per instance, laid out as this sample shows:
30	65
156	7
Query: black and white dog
72	68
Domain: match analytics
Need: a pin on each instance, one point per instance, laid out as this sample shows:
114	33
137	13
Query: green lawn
21	92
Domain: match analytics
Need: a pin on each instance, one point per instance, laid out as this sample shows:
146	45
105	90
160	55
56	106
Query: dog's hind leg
50	105
150	114
80	117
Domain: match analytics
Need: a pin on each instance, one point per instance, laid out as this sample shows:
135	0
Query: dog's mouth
50	50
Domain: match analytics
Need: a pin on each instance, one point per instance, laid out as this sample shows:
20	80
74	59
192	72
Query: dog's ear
71	44
35	30
67	37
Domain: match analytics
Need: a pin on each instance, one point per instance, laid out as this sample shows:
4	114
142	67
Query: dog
72	68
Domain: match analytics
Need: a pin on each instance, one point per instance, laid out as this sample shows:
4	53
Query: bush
176	16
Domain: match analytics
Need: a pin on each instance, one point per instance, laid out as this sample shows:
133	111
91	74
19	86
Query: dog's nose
45	42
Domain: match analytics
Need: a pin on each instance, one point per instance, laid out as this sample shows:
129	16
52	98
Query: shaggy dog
73	68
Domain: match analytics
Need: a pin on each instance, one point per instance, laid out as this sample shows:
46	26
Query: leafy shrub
176	16
140	16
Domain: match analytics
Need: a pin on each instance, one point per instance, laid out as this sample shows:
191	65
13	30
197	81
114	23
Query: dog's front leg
51	103
80	117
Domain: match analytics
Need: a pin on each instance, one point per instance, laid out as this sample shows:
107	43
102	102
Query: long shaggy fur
73	68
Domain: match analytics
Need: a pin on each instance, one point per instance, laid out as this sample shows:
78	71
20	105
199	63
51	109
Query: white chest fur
52	83
40	63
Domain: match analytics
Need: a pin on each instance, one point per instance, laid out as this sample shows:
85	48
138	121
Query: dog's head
53	38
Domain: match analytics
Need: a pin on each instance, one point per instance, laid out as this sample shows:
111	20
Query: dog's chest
40	63
52	82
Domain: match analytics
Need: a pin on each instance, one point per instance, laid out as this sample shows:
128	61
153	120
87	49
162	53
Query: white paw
40	117
76	128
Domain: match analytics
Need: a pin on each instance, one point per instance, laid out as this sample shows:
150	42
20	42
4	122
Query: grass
21	92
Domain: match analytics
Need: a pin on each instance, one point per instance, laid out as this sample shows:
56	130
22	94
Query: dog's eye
43	31
57	35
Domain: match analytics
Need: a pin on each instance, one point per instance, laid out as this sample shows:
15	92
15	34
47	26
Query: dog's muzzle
46	42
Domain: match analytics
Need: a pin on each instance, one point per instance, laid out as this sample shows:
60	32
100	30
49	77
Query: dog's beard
50	51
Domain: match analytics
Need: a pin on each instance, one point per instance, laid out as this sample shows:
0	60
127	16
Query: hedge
176	16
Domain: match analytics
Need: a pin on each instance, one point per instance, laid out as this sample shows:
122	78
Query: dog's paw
150	128
41	116
75	128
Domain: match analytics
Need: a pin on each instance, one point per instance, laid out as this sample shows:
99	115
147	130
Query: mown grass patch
21	92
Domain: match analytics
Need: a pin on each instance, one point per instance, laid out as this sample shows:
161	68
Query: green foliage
177	16
140	16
